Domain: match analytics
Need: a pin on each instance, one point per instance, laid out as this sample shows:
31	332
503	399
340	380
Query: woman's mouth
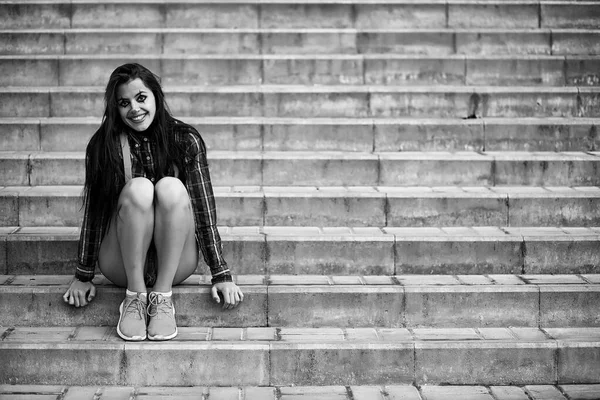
138	118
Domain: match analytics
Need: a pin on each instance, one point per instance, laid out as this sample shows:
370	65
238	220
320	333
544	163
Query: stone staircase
408	193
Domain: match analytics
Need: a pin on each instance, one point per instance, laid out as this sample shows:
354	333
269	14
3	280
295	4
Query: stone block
14	169
225	42
575	42
90	71
112	42
413	170
426	104
457	392
544	392
405	392
51	206
330	256
569	305
231	136
400	16
42	254
315	136
335	306
457	256
246	255
506	72
341	364
212	15
578	362
306	16
51	169
540	136
508	393
422	43
66	136
319	171
481	306
320	71
20	136
201	71
337	42
496	43
235	171
582	71
23	72
434	136
24	104
32	43
546	171
414	71
484	363
554	211
9	208
588	102
545	103
316	104
563	15
312	209
216	104
103	15
35	16
550	255
240	209
446	209
505	16
89	103
195	364
581	392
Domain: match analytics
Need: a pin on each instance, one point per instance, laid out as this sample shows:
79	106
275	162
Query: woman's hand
80	293
232	294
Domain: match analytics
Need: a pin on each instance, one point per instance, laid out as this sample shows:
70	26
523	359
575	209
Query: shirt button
145	139
148	158
151	179
137	145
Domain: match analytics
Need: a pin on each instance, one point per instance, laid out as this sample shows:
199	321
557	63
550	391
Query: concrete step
318	69
407	301
96	356
345	251
352	392
332	14
439	42
332	134
27	206
348	101
340	168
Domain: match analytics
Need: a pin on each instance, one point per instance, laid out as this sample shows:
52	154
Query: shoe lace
158	304
136	307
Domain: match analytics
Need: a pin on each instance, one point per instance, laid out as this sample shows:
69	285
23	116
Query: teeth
138	117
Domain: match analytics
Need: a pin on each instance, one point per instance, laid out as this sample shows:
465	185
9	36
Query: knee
137	194
170	193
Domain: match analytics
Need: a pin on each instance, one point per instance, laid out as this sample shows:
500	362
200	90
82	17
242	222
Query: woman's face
137	105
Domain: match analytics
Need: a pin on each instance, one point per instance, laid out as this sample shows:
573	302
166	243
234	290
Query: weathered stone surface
227	42
92	71
300	71
34	16
339	136
583	71
513	72
578	362
424	43
304	16
31	43
212	15
564	255
513	42
572	306
105	15
564	15
20	136
400	16
112	42
19	72
575	42
196	71
433	136
481	15
414	71
24	104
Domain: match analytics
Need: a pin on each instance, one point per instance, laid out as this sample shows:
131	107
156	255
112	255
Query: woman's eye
123	104
141	98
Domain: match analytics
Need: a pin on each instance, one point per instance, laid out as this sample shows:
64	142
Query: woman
149	209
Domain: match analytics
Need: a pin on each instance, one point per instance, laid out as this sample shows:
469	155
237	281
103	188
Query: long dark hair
104	175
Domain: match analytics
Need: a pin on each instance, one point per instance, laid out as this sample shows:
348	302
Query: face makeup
137	105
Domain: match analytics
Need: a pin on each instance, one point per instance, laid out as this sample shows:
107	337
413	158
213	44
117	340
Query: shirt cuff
226	277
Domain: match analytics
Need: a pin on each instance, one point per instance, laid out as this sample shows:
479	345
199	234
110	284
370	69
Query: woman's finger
92	293
82	300
67	295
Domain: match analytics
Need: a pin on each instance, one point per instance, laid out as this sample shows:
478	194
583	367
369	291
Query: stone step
331	14
340	168
349	392
439	42
349	101
318	69
407	301
345	251
332	134
285	357
453	206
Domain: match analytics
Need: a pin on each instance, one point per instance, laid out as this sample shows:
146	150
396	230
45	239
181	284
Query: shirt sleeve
205	214
89	245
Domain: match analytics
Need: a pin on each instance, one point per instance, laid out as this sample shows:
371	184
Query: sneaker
162	317
132	322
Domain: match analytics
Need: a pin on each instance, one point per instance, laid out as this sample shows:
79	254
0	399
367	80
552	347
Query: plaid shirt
198	185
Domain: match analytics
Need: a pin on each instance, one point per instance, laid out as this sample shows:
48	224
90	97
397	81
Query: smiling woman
149	209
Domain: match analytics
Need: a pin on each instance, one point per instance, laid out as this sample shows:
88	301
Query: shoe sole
158	338
128	338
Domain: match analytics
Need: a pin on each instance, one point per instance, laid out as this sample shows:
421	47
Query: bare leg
174	236
123	250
